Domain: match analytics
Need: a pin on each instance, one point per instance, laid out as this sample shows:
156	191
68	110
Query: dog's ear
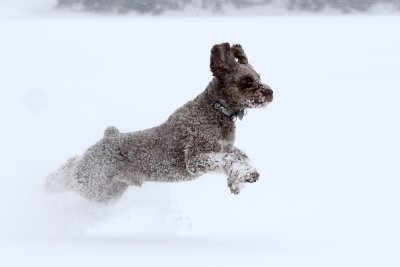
222	60
238	52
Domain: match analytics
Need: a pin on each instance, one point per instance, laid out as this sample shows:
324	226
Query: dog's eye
246	82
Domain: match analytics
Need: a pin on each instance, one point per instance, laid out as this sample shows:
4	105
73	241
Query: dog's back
157	154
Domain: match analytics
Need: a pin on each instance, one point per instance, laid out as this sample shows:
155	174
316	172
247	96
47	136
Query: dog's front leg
239	170
252	175
234	164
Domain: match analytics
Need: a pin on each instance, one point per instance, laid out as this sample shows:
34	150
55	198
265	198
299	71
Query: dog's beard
256	103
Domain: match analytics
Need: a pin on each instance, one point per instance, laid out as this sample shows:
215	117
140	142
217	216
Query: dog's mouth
263	100
269	98
264	97
257	103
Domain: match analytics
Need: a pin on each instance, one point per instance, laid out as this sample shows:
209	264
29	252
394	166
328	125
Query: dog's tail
63	179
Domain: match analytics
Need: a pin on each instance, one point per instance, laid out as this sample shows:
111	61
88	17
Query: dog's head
238	84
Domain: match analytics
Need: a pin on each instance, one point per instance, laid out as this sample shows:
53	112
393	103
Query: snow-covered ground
327	147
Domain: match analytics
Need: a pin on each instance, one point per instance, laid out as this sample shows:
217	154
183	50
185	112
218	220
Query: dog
197	138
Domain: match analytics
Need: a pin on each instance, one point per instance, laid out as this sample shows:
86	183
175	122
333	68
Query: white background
327	148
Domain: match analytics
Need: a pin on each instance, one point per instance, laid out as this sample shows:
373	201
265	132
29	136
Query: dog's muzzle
267	93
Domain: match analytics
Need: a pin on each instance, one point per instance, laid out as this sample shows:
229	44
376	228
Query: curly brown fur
196	139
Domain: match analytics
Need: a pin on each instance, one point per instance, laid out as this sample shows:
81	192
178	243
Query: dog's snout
268	93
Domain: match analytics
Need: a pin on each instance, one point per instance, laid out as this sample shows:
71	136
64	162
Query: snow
327	148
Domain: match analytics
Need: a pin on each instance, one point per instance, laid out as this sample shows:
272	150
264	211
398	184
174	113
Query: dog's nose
268	92
268	88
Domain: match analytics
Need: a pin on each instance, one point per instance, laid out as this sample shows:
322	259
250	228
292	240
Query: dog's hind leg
63	179
118	186
114	190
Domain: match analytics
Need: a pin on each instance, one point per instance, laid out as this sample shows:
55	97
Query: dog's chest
225	146
227	131
227	135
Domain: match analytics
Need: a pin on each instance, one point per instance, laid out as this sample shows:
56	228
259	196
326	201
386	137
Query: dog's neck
223	107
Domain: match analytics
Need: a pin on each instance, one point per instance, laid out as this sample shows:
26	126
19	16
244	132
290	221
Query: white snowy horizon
49	8
327	148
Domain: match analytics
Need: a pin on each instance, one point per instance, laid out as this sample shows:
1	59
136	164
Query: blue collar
223	108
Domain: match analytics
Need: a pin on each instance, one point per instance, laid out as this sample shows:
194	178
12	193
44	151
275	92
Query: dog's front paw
235	187
252	177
